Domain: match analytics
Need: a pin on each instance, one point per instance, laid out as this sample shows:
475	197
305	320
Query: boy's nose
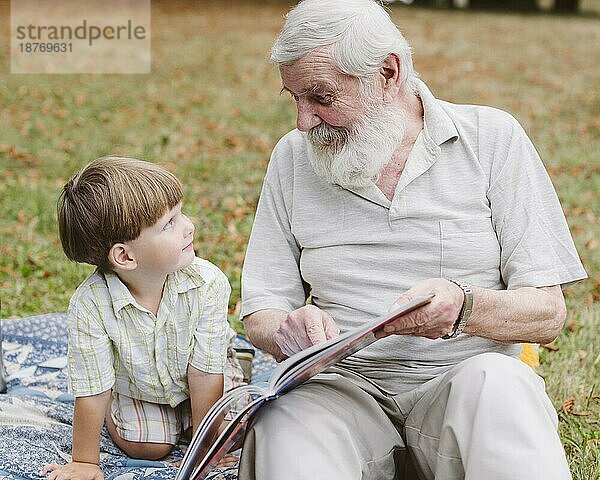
189	226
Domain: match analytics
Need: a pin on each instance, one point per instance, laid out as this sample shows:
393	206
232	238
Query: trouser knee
502	380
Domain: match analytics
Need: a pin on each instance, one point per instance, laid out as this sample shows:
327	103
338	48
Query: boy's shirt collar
178	282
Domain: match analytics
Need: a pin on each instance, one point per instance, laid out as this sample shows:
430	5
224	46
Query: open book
205	450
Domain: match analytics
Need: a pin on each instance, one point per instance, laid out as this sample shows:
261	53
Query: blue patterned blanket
37	412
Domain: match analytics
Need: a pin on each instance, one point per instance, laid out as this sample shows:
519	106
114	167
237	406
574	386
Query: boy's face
166	246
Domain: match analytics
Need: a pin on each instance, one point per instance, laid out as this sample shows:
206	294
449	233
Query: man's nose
307	118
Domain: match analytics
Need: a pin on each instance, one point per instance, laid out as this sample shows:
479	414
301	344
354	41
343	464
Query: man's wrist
465	311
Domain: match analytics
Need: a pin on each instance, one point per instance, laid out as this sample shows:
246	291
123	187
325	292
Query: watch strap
465	311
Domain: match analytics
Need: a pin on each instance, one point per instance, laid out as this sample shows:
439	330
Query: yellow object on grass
530	354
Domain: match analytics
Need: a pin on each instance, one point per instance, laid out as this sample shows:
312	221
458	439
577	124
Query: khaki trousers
487	418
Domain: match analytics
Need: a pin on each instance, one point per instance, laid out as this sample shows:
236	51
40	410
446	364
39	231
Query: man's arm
261	327
88	419
525	314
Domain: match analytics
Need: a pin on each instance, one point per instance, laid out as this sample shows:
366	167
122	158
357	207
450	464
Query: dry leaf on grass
567	405
551	347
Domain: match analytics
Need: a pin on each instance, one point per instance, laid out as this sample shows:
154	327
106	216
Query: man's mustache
328	136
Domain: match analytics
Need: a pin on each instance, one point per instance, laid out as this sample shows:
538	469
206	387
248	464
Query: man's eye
325	99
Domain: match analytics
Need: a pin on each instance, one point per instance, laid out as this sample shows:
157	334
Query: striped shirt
116	343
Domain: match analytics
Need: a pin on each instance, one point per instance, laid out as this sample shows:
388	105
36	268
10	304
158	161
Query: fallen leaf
551	347
592	244
567	405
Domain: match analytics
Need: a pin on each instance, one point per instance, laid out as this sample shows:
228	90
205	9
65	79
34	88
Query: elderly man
383	193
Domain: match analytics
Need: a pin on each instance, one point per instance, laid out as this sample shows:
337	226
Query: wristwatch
465	311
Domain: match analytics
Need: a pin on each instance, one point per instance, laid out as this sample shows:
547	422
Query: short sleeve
271	275
213	333
90	355
536	246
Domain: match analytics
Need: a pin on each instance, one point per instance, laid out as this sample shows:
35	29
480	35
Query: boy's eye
169	224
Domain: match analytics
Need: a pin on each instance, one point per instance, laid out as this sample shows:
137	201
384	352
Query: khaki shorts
146	422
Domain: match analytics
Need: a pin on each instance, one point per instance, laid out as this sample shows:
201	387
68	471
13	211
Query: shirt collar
119	293
186	279
177	282
439	125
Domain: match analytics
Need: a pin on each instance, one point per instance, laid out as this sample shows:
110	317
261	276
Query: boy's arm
205	390
88	419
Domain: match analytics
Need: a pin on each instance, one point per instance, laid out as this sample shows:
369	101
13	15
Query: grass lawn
210	112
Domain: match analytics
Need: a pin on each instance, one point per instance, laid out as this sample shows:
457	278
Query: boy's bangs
154	194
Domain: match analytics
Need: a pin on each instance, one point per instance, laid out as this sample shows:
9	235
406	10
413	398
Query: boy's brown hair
110	201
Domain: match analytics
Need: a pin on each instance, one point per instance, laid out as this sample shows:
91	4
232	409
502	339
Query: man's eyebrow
314	89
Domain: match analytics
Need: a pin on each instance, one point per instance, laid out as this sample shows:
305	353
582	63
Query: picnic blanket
37	411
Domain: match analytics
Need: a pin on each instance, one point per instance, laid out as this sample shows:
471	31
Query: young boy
149	343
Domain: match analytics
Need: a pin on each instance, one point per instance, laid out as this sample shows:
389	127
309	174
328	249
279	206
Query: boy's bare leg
142	450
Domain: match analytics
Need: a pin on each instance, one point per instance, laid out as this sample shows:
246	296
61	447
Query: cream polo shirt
116	343
474	203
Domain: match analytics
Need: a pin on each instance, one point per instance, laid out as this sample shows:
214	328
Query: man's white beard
353	157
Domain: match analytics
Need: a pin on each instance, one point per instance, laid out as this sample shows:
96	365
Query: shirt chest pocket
470	251
318	224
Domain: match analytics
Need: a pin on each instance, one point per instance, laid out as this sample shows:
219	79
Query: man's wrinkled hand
303	328
432	320
73	471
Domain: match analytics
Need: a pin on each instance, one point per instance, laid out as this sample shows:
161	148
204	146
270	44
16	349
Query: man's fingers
331	329
381	334
315	330
286	342
304	328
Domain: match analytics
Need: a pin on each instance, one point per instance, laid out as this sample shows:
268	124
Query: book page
202	443
235	430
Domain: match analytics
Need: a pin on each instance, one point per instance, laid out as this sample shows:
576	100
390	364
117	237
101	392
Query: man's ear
121	257
390	73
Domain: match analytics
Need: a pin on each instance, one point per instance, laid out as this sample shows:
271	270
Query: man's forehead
311	73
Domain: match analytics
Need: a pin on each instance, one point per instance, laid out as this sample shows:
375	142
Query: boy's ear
120	257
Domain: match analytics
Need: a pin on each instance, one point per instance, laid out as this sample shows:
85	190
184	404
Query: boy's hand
228	460
73	471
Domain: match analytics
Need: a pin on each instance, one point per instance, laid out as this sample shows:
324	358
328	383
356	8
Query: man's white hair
359	34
